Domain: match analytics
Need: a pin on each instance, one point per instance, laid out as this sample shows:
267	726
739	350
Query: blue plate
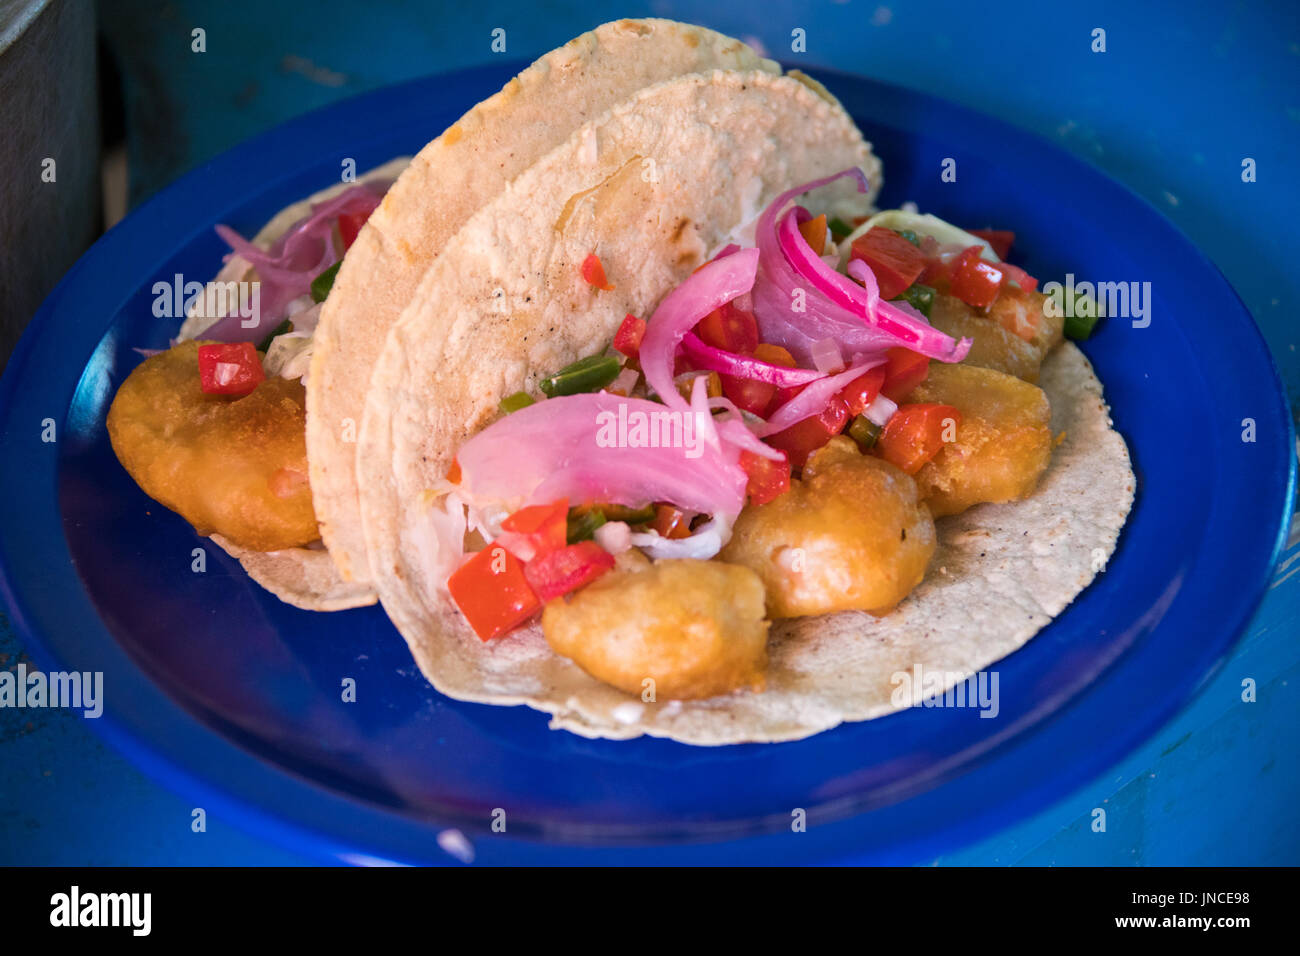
228	695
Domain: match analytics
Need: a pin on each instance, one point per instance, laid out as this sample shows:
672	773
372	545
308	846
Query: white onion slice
880	411
614	536
826	356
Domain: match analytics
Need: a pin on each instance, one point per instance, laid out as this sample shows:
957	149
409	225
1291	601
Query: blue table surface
1181	96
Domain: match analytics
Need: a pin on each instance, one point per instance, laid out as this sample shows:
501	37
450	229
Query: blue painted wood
1172	108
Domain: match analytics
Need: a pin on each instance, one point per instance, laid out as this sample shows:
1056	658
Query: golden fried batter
995	342
851	535
695	628
233	466
1004	441
992	346
1027	316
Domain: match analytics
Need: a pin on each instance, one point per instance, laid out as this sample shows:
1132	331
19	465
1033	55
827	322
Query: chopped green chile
512	403
321	285
864	431
628	515
919	297
585	375
839	228
1079	327
911	237
283	327
582	525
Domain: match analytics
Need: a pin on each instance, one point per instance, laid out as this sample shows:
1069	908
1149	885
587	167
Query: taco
229	456
688	457
214	426
449	180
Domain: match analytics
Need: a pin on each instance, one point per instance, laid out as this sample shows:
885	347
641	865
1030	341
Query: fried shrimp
230	466
851	535
695	628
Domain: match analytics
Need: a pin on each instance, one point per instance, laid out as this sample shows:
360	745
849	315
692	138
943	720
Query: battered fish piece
696	628
1014	337
1004	441
1026	315
851	535
231	466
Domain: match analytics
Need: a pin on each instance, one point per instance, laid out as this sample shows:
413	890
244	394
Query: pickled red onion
711	287
559	448
800	300
733	429
814	398
285	270
710	359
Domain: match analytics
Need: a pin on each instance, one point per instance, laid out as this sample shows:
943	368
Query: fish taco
213	427
707	448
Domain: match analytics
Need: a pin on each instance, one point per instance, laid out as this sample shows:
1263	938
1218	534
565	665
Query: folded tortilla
1001	573
651	187
451	179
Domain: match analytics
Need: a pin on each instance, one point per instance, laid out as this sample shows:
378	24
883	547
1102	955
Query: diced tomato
783	395
862	391
567	569
230	368
729	328
629	335
814	231
976	281
492	592
999	239
895	262
748	394
350	224
536	530
904	370
915	434
453	473
803	438
768	477
594	273
1020	277
671	522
